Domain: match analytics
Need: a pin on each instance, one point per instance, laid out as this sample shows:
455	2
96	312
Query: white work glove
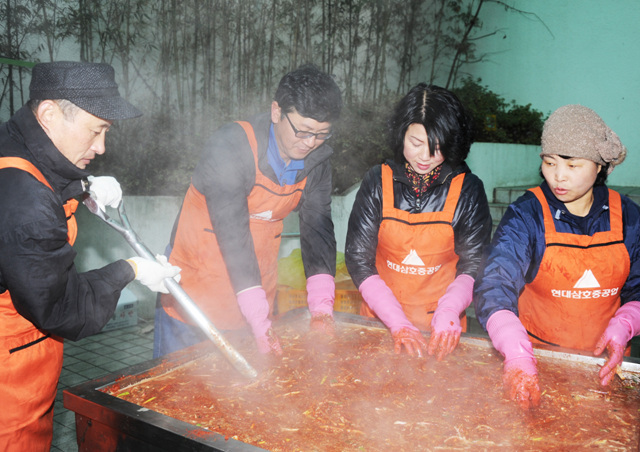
153	273
105	190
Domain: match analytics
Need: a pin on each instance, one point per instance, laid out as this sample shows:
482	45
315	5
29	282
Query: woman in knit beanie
578	132
563	268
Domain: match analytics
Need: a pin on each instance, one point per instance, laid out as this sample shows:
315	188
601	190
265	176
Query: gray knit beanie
577	131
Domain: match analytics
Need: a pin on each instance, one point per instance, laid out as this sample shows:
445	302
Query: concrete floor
95	357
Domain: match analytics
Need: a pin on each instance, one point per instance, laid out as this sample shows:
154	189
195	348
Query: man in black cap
44	151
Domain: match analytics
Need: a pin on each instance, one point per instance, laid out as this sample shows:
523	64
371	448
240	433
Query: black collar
64	177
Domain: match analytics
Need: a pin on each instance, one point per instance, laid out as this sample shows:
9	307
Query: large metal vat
108	423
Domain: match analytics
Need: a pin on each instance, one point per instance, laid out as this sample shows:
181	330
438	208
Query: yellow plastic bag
291	270
342	274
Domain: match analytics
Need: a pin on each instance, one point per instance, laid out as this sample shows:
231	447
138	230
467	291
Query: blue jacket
513	258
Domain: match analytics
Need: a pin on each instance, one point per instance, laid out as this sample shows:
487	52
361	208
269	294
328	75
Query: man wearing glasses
227	235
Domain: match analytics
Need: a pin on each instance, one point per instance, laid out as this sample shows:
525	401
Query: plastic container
288	298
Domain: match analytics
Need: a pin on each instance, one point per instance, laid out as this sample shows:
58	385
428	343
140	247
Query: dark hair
601	178
312	93
447	122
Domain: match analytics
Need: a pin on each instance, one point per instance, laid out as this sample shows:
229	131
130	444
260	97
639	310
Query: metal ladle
201	320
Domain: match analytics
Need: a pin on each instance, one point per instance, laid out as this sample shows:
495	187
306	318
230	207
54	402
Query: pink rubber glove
255	309
381	300
321	294
520	376
445	324
409	339
622	327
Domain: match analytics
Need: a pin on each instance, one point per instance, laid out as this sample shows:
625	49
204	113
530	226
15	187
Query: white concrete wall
505	165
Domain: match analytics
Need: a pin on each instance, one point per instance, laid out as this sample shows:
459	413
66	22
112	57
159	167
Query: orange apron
30	360
577	288
204	274
416	254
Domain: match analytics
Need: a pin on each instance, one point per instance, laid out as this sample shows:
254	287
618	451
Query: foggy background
192	65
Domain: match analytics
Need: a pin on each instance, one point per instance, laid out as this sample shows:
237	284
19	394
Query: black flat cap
90	86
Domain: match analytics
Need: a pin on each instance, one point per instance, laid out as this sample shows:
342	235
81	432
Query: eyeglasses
305	135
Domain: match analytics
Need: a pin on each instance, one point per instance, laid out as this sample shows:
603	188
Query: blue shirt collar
286	174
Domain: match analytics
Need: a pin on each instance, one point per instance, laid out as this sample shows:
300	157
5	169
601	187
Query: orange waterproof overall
196	251
30	360
577	288
416	254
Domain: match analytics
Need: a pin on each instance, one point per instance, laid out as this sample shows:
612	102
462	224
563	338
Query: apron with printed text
416	253
577	288
204	274
30	360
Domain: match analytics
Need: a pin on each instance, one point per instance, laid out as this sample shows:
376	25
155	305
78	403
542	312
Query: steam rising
352	393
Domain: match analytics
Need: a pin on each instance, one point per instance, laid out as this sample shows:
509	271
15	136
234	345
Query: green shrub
498	121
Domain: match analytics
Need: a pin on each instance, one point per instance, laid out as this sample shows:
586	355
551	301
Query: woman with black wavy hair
419	225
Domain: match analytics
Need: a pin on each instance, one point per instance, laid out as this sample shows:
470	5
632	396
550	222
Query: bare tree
439	15
406	45
18	19
194	64
50	13
464	47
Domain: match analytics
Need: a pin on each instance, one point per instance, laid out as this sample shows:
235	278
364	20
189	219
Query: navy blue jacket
513	258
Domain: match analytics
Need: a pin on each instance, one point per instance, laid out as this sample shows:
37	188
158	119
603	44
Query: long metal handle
194	312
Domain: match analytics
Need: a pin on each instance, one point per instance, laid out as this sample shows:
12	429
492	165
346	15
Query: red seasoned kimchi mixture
352	393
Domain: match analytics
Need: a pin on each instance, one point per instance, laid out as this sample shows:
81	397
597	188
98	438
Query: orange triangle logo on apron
416	253
577	288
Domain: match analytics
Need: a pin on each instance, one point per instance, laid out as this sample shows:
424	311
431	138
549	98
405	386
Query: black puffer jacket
471	221
36	261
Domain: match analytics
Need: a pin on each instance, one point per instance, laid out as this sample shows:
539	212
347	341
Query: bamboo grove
192	65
